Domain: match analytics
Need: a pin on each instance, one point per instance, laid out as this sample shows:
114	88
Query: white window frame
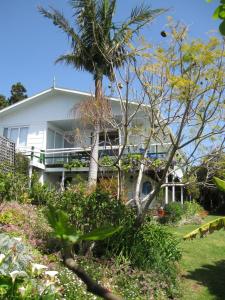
18	135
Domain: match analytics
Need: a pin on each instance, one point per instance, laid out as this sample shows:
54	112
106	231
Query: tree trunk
93	168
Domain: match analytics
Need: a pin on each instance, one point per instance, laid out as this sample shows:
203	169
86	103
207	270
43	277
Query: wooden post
166	191
32	153
62	181
42	157
30	172
42	178
182	195
173	193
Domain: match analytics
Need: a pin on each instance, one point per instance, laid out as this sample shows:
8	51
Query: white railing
60	156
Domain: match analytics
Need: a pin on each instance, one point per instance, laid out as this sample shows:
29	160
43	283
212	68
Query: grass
203	264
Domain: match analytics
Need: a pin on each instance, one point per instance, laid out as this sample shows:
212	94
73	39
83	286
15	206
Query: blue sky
29	43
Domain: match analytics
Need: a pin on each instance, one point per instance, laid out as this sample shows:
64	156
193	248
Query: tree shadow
211	276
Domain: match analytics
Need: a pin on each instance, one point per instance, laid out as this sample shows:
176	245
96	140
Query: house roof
52	90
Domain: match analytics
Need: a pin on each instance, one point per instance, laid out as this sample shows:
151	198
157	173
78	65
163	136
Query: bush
89	211
154	247
192	208
24	220
173	213
150	248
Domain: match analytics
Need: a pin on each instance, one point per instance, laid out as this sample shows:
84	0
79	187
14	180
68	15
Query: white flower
2	257
16	273
22	290
51	274
18	239
38	268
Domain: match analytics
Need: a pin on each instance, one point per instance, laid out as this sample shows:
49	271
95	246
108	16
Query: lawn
203	264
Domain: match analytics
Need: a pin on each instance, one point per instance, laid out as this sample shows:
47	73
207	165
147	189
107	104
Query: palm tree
99	45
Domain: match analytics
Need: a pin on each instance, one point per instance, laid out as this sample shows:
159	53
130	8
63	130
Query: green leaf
59	222
219	183
100	234
222	28
216	12
222	13
207	228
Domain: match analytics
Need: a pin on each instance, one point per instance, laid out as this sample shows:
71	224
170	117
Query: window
23	136
17	134
108	138
5	132
146	188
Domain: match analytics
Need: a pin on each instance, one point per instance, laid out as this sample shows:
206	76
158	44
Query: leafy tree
3	102
219	13
18	93
99	45
183	84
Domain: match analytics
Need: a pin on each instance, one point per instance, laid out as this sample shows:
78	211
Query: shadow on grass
211	276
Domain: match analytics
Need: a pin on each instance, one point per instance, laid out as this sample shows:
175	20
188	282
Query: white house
40	125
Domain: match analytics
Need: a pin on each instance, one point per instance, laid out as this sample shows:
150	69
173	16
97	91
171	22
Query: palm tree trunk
93	168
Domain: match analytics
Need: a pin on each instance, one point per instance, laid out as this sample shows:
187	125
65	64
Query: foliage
87	212
14	183
104	41
62	229
150	248
207	228
3	102
19	277
25	220
14	187
131	162
21	163
75	163
18	93
106	161
192	208
173	212
192	186
109	185
41	194
116	275
220	184
219	13
154	247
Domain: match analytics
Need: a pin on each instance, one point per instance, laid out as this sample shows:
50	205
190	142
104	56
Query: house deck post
182	195
62	181
30	172
166	191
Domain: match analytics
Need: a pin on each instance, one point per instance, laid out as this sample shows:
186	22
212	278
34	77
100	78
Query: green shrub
154	248
25	220
89	211
191	208
150	248
173	212
21	164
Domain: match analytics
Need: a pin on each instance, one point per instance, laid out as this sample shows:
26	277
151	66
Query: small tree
18	93
3	102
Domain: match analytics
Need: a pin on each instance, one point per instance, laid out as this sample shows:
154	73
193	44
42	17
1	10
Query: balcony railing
60	157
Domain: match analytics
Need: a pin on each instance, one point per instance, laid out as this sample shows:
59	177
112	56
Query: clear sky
30	43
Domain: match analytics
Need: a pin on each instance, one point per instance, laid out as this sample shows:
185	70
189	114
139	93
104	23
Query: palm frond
60	21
